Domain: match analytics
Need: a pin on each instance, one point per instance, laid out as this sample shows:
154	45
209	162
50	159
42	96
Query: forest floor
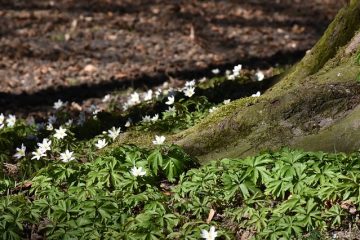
83	77
75	50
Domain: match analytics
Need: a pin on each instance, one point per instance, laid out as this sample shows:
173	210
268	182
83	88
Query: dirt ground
77	49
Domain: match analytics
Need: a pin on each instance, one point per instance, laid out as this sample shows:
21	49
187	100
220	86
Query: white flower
128	123
190	84
338	74
58	104
227	101
2	118
38	154
231	77
170	101
101	143
138	171
2	126
159	140
106	98
256	94
155	118
171	110
134	99
11	120
52	119
147	118
66	156
45	145
49	127
237	69
235	72
148	95
209	235
213	109
20	152
189	91
60	133
215	71
114	133
259	76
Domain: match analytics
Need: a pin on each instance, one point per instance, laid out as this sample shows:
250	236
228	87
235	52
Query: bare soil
85	48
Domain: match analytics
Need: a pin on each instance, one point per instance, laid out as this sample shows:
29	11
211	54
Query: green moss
339	32
343	136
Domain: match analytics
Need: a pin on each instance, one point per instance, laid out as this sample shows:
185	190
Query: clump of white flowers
170	100
58	104
159	140
11	120
155	118
20	152
209	235
148	95
128	123
60	133
259	75
106	98
227	101
133	99
138	171
113	133
215	71
43	147
101	143
257	94
235	72
146	118
213	109
189	91
49	127
66	156
171	110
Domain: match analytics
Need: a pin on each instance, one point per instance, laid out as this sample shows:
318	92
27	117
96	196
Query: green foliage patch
288	194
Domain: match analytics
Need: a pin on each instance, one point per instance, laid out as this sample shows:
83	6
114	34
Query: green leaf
155	161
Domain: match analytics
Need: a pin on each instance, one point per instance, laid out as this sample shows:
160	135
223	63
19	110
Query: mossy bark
316	106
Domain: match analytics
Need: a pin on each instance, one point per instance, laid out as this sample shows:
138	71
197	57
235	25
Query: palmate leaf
259	218
289	205
291	156
155	160
173	168
335	213
309	215
279	187
233	185
256	168
290	226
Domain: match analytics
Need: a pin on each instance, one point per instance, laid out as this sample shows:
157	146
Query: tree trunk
314	107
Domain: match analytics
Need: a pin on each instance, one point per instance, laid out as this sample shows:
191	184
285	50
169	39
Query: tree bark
315	106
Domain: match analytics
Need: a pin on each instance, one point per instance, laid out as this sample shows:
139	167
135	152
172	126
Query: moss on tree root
314	107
